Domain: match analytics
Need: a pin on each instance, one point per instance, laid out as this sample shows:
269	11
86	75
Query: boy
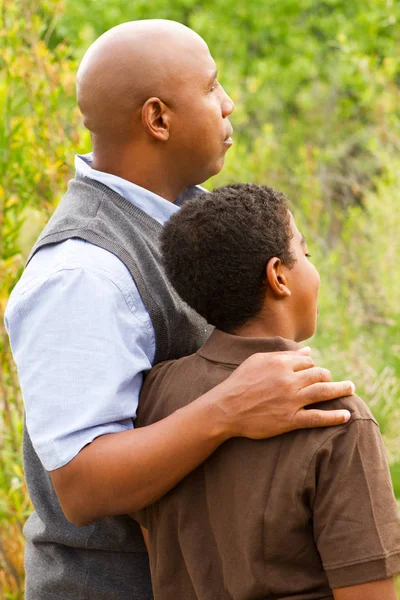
308	515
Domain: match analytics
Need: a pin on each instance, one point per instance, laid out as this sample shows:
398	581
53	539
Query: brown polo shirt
288	517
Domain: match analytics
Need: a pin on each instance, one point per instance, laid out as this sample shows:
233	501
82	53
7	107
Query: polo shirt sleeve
355	516
80	350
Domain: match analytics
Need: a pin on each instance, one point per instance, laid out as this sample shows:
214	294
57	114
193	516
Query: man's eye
214	85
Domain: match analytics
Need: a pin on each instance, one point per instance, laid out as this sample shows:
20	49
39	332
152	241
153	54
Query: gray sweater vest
106	560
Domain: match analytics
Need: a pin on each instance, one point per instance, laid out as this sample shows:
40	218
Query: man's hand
267	394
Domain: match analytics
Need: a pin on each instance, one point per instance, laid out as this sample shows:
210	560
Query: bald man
93	311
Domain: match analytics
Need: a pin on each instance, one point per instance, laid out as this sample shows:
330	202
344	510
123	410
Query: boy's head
236	256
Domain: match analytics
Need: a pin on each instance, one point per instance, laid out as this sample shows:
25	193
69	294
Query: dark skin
150	97
384	589
159	118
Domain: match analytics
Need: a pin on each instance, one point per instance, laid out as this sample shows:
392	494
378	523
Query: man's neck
126	163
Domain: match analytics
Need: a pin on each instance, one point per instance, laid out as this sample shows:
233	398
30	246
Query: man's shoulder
75	272
76	252
68	256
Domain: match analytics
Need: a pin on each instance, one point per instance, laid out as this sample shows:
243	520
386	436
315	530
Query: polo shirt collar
233	349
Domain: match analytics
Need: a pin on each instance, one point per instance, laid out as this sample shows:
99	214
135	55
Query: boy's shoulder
173	384
168	370
361	426
356	405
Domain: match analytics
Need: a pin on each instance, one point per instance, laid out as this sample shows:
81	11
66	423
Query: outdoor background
317	92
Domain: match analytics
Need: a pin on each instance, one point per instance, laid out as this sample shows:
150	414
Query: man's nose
227	105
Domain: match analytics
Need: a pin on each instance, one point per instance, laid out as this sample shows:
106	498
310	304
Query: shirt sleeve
355	515
80	351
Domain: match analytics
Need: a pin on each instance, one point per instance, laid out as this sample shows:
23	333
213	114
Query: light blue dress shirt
81	336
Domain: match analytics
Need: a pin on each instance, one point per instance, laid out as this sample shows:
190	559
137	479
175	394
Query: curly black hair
215	250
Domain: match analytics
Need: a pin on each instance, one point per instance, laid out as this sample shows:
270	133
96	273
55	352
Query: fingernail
346	415
353	387
306	349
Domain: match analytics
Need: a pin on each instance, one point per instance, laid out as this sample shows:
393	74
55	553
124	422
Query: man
308	515
94	310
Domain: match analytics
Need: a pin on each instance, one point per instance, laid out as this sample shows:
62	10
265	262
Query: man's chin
211	171
217	168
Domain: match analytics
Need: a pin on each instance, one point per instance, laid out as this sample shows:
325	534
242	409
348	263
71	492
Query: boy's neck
266	325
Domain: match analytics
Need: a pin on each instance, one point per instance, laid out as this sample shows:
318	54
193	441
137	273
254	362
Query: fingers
298	362
312	376
320	418
306	351
321	392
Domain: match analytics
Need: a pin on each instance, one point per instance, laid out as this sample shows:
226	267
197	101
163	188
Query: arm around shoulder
125	472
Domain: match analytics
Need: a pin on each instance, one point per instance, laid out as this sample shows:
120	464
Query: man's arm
383	589
122	473
81	343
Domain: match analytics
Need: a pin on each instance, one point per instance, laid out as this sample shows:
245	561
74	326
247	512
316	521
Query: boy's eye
308	255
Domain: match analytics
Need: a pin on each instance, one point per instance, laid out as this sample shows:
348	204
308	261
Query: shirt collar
233	349
155	206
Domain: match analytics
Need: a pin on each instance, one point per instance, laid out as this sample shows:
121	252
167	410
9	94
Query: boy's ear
155	118
276	279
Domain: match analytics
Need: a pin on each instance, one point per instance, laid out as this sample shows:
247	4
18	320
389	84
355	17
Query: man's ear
155	118
276	279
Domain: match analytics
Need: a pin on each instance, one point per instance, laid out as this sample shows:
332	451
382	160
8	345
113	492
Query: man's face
201	131
304	281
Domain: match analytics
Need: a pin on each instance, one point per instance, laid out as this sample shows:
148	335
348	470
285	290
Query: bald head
129	64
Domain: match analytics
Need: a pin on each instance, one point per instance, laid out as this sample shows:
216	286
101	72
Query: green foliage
37	135
316	87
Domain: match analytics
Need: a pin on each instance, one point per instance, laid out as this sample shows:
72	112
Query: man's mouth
228	139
